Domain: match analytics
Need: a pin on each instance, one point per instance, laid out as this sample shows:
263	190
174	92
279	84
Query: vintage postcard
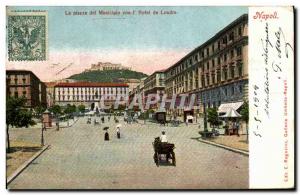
149	97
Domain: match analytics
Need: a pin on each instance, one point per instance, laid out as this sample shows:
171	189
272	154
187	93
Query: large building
89	93
50	93
154	84
24	83
132	83
216	71
138	91
100	66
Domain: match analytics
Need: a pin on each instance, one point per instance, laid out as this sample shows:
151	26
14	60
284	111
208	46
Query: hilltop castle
100	66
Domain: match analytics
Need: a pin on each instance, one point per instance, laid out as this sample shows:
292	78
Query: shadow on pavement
24	149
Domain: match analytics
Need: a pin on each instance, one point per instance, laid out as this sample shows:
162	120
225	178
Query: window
232	71
202	82
213	47
16	94
231	36
207	51
213	62
240	68
240	31
219	45
225	74
16	80
202	54
207	79
232	90
225	40
218	76
214	104
219	60
239	51
231	53
225	57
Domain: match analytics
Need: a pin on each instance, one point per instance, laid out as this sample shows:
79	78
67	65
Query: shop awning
224	108
231	113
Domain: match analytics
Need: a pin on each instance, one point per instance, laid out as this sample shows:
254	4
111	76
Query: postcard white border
271	97
4	3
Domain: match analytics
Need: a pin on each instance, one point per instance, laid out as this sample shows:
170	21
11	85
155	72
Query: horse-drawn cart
163	151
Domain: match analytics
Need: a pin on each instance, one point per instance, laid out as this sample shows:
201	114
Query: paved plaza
79	158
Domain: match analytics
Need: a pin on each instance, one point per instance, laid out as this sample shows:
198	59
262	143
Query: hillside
107	75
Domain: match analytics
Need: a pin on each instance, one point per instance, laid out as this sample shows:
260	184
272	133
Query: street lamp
43	126
205	119
42	136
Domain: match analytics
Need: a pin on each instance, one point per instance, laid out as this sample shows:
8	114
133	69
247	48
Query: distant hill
107	75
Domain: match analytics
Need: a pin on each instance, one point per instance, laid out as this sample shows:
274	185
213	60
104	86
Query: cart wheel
155	157
173	159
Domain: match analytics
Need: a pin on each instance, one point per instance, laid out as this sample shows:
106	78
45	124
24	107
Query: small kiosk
47	119
188	115
160	115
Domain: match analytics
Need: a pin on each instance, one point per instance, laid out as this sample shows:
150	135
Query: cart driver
163	137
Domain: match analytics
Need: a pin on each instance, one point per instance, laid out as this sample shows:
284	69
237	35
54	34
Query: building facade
24	83
216	71
138	91
154	84
50	93
89	93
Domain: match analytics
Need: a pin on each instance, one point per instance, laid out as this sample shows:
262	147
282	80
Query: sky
143	42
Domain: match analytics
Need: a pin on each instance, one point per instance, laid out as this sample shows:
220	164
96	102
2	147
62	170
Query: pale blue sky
190	27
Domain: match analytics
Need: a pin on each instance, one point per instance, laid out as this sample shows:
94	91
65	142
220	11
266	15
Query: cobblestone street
79	158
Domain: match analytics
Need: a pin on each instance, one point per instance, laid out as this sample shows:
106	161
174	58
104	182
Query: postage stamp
27	36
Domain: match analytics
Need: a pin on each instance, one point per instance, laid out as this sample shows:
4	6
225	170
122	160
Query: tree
39	110
69	109
56	110
81	108
212	117
17	115
245	116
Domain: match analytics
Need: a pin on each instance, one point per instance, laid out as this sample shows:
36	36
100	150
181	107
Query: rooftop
242	18
91	84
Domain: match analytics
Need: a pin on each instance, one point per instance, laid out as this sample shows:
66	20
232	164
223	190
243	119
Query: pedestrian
106	136
237	128
163	137
187	121
118	133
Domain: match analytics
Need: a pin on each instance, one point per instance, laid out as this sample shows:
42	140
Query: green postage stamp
27	36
